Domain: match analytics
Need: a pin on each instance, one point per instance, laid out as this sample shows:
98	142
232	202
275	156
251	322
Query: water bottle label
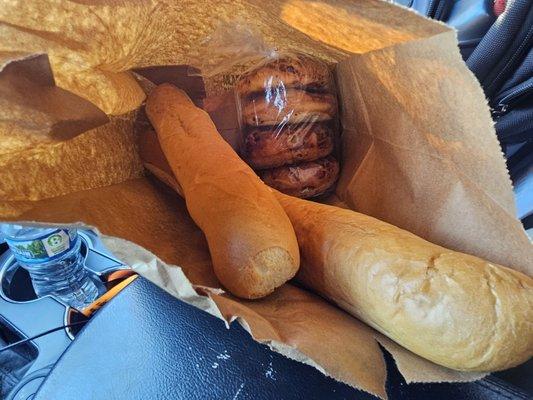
42	249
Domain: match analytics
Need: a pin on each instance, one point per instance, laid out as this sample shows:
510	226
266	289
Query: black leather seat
145	344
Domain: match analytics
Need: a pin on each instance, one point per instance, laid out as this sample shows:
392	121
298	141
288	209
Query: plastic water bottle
53	259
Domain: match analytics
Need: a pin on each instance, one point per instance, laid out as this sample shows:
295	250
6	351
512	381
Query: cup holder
17	285
16	281
23	315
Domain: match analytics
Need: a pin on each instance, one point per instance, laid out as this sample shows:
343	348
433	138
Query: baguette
252	243
451	308
454	309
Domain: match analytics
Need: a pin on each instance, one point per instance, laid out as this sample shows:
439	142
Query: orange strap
100	301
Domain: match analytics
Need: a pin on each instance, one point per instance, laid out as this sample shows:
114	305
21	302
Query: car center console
23	315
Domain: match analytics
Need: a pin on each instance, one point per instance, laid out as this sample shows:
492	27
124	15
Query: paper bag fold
420	151
33	110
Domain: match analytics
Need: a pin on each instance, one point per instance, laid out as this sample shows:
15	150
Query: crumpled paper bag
42	151
33	110
419	151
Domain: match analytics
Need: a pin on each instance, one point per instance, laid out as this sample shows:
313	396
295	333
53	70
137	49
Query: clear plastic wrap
287	107
286	104
306	179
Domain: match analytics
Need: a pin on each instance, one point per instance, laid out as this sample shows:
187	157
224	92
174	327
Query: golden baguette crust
454	309
251	240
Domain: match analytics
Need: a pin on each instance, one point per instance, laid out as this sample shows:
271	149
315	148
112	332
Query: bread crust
454	309
251	240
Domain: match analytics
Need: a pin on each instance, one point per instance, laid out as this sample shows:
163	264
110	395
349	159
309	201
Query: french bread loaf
252	243
454	309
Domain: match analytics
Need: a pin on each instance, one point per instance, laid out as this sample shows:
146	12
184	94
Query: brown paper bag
419	151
